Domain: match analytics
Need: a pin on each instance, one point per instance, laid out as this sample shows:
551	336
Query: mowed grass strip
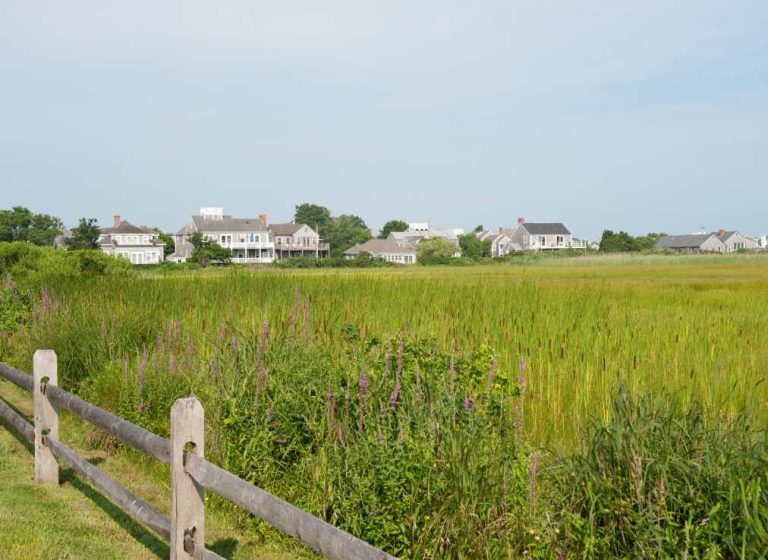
75	521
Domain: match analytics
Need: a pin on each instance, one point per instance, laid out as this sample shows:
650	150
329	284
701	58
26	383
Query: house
387	249
139	245
501	242
695	243
734	241
762	242
294	240
423	230
249	238
543	236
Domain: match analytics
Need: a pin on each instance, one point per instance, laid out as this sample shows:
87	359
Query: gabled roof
226	223
693	241
285	229
125	227
377	246
543	228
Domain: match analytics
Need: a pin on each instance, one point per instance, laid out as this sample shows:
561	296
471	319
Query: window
560	239
241	238
256	238
542	241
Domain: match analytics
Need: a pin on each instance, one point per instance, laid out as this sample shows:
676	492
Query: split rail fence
191	474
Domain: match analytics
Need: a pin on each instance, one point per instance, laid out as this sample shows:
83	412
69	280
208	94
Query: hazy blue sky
637	115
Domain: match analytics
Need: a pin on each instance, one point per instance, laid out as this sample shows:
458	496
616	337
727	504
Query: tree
168	244
19	224
390	226
85	235
435	250
478	228
311	214
344	231
622	242
206	251
473	247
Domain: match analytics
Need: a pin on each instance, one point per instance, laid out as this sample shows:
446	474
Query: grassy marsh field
588	406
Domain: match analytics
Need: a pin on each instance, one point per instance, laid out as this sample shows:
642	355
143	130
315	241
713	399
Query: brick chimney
263	221
521	220
720	232
117	220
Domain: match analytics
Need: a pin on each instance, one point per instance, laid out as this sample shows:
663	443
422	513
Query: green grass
75	521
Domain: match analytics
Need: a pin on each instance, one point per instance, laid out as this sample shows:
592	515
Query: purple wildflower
393	397
468	403
362	385
141	370
492	374
533	473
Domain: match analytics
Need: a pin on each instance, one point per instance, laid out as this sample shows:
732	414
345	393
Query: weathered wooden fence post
44	373
187	497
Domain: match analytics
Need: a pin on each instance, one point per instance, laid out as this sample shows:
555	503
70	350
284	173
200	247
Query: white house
762	242
292	240
419	231
139	245
387	249
249	238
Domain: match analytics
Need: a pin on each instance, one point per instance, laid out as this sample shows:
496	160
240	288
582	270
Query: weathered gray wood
23	380
17	421
133	435
125	499
187	496
44	376
325	539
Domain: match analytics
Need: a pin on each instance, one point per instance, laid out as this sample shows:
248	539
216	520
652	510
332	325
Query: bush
659	480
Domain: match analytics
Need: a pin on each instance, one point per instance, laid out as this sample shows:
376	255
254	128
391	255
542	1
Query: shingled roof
285	229
683	241
541	228
125	227
377	246
226	223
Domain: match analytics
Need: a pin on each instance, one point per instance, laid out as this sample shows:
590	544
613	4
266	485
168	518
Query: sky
639	116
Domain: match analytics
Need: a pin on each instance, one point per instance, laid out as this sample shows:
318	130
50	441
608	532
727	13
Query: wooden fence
191	474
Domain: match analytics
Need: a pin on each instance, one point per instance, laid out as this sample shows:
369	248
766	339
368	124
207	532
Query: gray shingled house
694	243
294	240
387	249
733	241
542	236
140	245
249	238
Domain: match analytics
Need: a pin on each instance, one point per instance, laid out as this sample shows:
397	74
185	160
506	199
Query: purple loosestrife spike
468	403
168	335
262	343
45	300
394	396
533	474
491	374
362	385
141	370
159	342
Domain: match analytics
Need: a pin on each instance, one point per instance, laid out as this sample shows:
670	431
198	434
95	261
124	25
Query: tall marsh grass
453	413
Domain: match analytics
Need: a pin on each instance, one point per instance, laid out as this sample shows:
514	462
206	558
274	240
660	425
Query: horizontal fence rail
325	539
191	474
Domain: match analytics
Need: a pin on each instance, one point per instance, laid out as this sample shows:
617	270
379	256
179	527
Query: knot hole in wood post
187	496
